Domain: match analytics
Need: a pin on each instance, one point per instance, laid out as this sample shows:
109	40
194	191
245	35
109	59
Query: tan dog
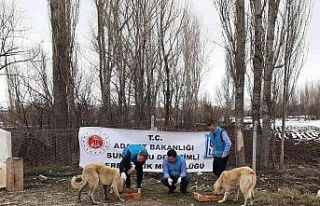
95	174
229	181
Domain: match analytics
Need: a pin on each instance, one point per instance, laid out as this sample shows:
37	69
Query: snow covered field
299	129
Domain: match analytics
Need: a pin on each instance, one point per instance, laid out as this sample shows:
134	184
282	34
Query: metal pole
254	146
152	123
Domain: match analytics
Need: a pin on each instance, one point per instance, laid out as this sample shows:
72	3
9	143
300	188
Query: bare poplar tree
295	21
194	56
63	30
225	96
151	60
239	78
168	35
104	68
273	7
258	62
232	19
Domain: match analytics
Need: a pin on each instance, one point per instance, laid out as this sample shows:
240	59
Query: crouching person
137	154
175	172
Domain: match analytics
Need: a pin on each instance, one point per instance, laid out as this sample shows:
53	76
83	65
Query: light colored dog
230	181
95	174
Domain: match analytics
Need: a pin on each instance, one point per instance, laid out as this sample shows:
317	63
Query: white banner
5	145
106	144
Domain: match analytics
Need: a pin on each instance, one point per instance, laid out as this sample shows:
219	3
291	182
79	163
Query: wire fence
43	147
46	147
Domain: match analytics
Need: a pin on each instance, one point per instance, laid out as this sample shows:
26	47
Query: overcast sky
35	18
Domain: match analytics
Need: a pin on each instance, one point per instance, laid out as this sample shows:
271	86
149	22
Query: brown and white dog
243	178
95	174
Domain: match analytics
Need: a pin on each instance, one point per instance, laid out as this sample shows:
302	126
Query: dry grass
294	187
288	197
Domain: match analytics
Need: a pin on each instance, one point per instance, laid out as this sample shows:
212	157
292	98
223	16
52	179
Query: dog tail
78	182
253	183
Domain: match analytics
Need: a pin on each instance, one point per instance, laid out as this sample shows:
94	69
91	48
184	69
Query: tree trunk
167	94
284	115
257	72
104	73
240	68
269	68
61	73
118	59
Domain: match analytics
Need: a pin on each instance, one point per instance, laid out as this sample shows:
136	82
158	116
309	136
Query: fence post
254	146
14	174
152	123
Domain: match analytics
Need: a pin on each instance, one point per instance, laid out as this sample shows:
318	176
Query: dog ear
221	177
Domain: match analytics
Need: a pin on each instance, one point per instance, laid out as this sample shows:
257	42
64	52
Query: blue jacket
130	154
177	169
132	151
220	142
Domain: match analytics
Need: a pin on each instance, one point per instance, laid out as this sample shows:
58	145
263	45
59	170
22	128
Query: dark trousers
139	173
183	185
219	165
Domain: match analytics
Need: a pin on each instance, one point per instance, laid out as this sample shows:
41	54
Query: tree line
147	59
265	49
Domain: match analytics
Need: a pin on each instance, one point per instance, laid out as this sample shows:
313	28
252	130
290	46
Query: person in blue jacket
175	172
221	145
137	154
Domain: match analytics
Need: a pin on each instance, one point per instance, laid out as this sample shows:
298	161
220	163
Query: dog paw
221	201
122	200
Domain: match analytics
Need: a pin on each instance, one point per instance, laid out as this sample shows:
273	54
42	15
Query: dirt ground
296	186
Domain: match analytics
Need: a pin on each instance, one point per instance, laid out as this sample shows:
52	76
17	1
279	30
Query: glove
123	176
179	180
132	171
170	181
139	190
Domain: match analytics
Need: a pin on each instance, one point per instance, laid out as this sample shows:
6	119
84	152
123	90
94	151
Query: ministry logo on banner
95	143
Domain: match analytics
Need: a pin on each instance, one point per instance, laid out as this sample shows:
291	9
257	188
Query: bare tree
152	59
258	62
232	19
63	21
10	34
11	53
104	68
295	19
273	6
194	59
225	94
143	55
72	22
168	35
239	78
